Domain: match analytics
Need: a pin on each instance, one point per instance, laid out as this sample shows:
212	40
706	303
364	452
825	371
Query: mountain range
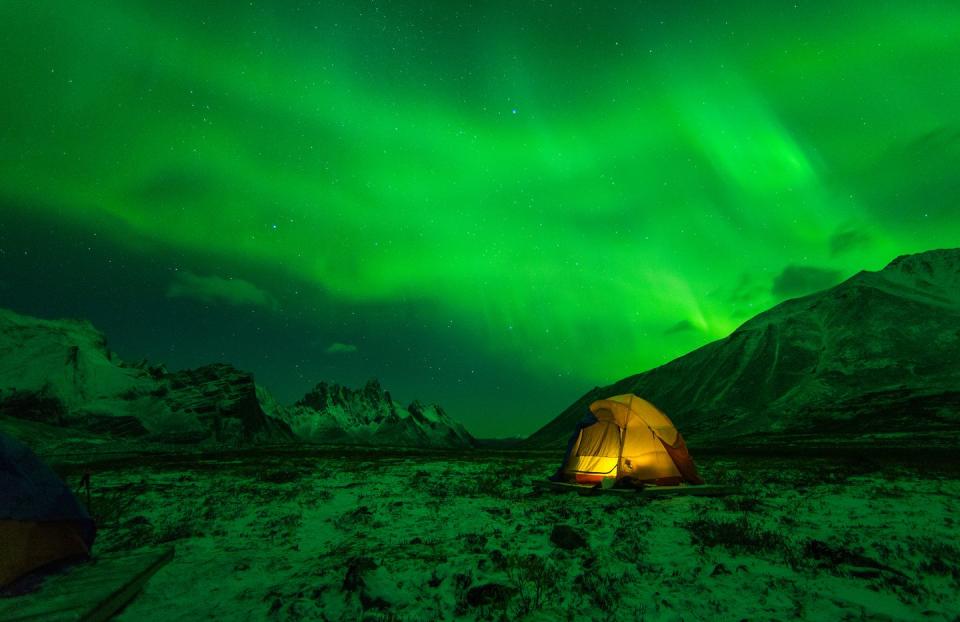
875	359
61	373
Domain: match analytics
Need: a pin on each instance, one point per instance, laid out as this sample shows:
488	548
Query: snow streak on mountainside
877	354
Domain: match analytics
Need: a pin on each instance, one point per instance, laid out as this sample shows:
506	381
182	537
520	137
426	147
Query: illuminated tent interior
627	438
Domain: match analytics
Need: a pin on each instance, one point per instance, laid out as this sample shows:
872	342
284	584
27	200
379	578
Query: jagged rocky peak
329	394
318	397
331	413
372	390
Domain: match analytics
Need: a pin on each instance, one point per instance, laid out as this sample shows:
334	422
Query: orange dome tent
626	437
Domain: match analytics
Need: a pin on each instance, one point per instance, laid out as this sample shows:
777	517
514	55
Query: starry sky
494	206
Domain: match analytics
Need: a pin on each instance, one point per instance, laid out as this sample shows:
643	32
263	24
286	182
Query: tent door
598	450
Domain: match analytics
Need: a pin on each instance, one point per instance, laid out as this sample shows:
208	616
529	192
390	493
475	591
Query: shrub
453	483
109	507
533	578
175	530
601	588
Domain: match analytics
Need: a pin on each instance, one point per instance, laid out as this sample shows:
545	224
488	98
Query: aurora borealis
493	207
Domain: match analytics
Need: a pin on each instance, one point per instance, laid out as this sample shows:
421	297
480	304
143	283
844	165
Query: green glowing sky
480	206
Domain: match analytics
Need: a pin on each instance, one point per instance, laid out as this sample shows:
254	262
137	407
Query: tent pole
623	436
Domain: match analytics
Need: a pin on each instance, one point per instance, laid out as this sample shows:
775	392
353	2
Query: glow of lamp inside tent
641	461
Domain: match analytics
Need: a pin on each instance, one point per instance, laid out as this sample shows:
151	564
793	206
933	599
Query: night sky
494	207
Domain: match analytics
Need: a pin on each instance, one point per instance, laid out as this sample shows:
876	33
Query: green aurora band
586	190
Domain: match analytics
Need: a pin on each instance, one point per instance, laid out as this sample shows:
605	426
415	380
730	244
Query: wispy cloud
800	280
683	326
341	348
216	289
847	239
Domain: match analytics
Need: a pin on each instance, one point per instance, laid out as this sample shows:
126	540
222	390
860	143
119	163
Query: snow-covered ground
352	536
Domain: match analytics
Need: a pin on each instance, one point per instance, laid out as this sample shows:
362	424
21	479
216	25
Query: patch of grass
133	533
736	534
739	503
492	481
461	583
280	475
222	507
180	526
852	561
359	516
831	555
499	560
940	558
176	530
283	528
474	542
109	506
629	544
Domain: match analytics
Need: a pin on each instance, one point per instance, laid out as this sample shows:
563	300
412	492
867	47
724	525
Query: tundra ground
359	535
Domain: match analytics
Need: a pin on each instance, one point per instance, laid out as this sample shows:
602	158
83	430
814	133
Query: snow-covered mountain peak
332	413
933	271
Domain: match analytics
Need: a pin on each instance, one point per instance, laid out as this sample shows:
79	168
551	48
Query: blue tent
40	519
